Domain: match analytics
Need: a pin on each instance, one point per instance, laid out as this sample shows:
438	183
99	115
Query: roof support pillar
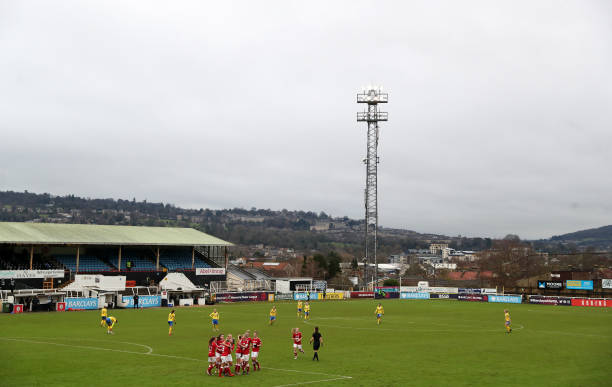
31	256
78	256
157	259
193	258
119	259
225	253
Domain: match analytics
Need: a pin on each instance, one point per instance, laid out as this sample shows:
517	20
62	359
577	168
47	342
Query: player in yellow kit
306	311
171	321
507	321
215	319
299	308
110	324
272	315
103	314
379	313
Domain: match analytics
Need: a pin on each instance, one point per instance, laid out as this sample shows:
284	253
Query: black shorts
316	346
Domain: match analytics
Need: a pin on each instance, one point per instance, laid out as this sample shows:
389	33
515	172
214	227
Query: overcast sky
500	113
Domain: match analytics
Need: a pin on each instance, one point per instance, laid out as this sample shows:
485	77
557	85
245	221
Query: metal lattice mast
371	96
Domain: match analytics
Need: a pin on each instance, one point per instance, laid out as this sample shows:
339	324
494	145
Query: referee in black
317	341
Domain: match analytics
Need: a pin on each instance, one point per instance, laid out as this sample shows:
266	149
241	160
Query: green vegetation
420	343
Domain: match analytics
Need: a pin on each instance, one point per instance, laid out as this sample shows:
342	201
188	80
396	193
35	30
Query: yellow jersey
104	312
171	317
299	304
380	310
214	315
307	308
113	320
273	312
507	316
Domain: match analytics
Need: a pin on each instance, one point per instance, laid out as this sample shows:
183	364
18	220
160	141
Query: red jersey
256	344
220	345
297	338
227	348
244	345
212	348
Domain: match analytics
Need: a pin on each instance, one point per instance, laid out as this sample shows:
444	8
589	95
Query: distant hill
599	238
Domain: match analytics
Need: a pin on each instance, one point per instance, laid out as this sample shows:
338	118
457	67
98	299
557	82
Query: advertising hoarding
210	271
606	283
143	301
414	296
304	296
25	274
579	284
473	297
470	290
241	297
550	285
81	303
505	299
452	296
546	300
362	294
602	303
334	296
284	296
383	294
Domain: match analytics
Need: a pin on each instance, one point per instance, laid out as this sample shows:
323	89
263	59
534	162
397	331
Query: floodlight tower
371	95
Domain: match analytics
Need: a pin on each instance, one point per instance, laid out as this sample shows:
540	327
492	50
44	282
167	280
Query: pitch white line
314	381
149	353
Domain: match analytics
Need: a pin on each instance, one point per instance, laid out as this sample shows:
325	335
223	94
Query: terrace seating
180	261
138	264
87	263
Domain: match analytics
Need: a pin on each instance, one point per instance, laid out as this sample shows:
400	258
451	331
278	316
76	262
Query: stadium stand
86	263
180	261
138	264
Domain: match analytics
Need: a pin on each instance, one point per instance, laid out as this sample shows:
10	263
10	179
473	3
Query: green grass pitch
419	343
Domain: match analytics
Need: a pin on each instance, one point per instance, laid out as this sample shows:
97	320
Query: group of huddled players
220	349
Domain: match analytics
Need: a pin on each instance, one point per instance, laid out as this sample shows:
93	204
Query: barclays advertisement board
143	301
505	299
81	303
414	296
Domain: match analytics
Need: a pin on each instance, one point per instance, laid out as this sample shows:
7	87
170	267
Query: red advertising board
60	307
592	302
18	308
130	284
473	297
362	294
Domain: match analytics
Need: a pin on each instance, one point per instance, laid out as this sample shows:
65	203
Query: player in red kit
245	344
220	345
296	335
212	352
226	356
256	341
238	355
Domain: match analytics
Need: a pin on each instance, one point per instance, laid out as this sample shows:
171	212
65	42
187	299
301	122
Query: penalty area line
24	340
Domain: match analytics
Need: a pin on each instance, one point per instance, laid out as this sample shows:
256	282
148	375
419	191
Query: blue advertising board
143	301
505	299
303	296
81	303
414	296
579	284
